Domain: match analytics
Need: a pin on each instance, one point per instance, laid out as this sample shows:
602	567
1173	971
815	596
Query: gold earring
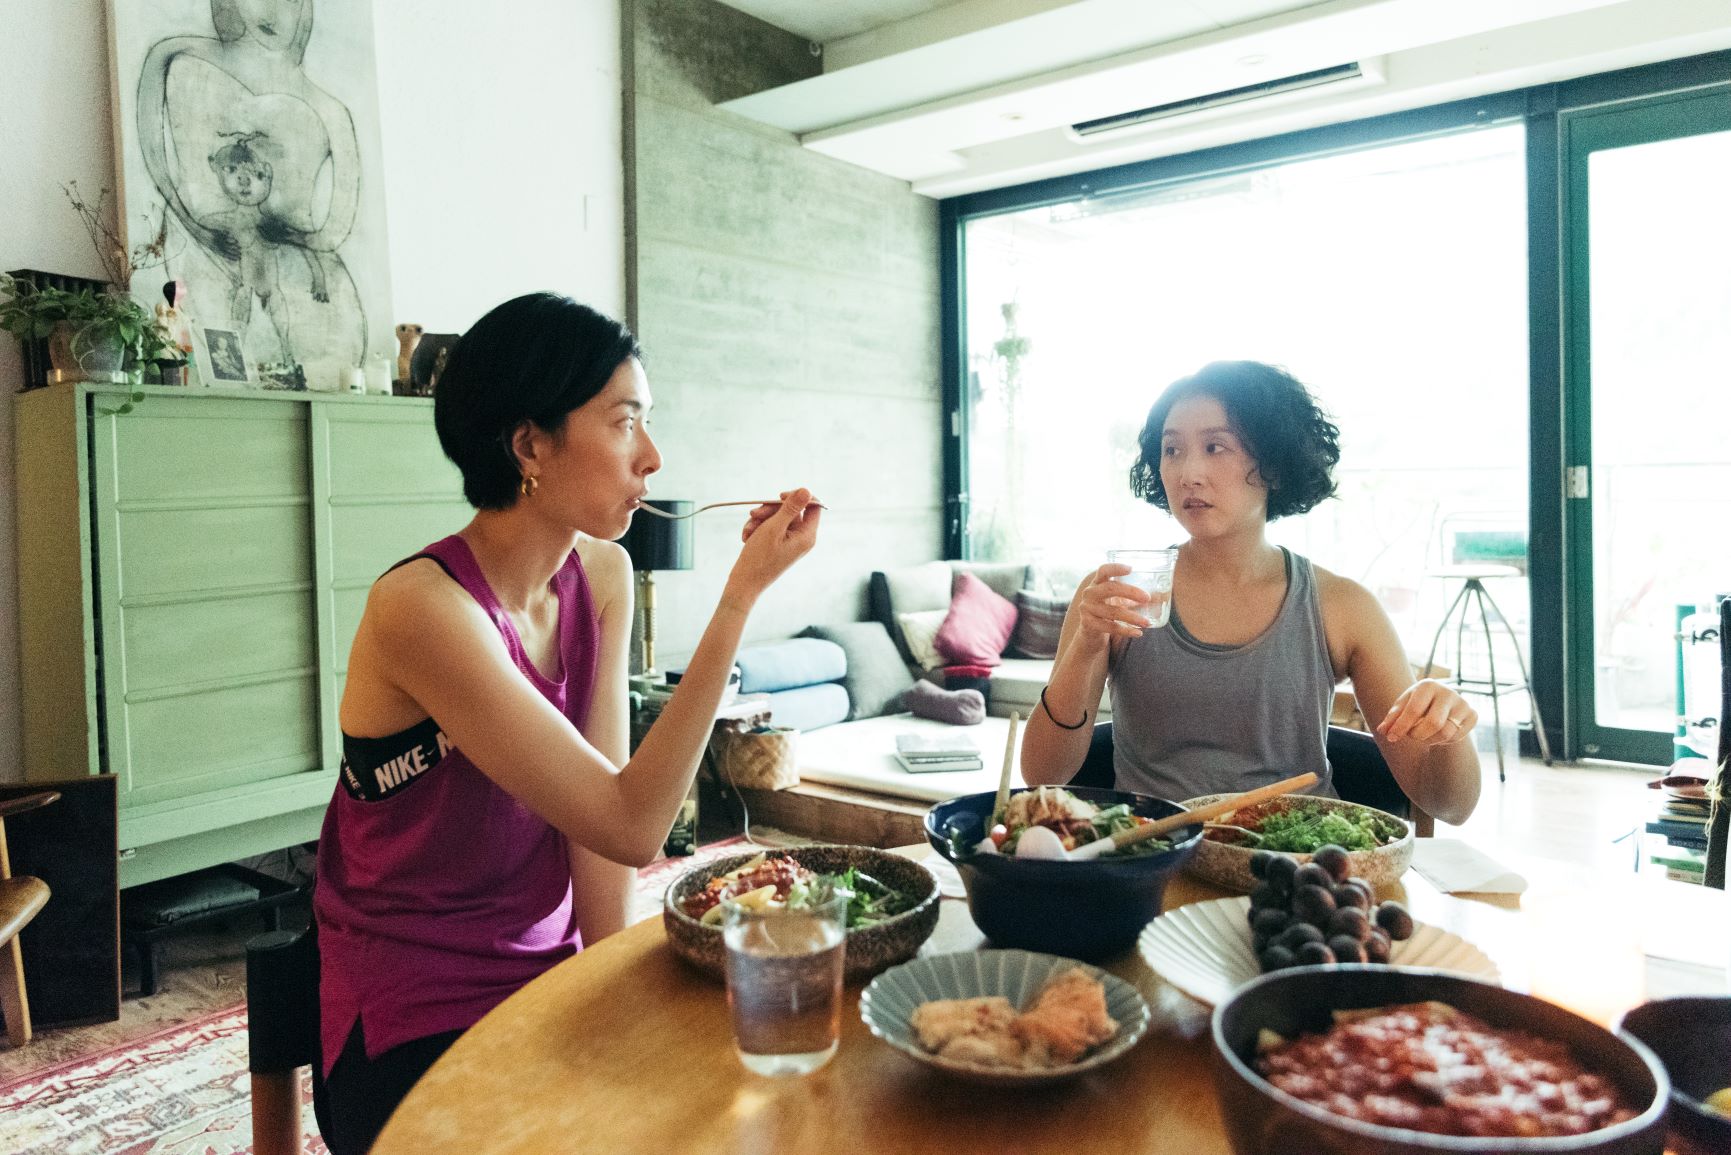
529	485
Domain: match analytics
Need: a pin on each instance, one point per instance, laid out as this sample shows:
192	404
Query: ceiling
957	96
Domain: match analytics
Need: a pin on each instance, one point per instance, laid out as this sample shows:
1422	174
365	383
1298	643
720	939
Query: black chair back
1361	773
1097	770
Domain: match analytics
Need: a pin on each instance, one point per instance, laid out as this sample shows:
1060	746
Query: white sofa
861	754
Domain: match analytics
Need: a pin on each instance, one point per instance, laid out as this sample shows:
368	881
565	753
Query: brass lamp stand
656	543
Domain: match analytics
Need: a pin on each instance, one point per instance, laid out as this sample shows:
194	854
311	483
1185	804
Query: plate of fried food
1008	1017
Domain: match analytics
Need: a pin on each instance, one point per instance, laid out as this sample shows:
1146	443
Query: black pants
354	1103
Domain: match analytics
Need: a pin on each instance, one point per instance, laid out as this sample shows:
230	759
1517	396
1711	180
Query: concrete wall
501	128
788	308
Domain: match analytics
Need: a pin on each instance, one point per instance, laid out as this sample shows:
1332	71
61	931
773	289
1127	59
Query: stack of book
934	753
1682	822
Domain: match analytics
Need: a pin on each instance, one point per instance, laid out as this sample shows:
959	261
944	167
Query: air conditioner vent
1195	104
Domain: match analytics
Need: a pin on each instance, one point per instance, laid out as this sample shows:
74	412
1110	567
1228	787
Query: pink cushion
979	624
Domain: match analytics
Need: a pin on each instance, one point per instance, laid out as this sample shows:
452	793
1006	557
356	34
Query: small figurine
172	316
408	336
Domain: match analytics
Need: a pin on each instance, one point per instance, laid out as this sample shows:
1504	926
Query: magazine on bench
934	753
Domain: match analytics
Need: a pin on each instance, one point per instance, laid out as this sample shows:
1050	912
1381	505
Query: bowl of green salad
1378	845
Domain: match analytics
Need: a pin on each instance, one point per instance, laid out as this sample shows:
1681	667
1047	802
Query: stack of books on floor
1682	822
936	753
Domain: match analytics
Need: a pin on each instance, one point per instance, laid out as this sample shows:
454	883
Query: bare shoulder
607	566
408	600
1343	598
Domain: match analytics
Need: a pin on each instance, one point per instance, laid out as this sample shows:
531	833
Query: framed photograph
221	357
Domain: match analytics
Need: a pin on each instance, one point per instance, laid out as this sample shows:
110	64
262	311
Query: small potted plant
90	333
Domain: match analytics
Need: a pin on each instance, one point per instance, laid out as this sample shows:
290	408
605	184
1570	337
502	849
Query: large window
1391	279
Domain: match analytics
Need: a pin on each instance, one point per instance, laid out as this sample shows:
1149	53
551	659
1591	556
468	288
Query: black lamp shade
657	543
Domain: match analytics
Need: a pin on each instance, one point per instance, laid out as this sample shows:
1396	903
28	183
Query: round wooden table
626	1049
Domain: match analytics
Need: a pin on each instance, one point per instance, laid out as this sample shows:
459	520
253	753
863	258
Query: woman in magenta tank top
486	820
1234	691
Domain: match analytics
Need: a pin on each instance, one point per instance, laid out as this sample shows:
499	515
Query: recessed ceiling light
1011	116
1252	60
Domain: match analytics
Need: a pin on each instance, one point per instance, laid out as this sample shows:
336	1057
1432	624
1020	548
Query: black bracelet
1055	721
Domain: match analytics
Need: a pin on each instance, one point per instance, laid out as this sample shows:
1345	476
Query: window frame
1545	110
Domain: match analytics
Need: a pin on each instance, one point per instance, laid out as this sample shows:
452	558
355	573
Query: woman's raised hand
1430	714
775	537
1108	608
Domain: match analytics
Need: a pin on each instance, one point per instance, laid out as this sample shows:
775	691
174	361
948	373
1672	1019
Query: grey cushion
1039	621
957	707
876	677
790	664
919	587
1004	577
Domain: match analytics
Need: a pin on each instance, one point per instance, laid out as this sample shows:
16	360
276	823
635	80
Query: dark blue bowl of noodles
1083	910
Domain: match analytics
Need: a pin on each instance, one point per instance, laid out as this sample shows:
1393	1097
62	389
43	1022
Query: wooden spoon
1002	802
1172	822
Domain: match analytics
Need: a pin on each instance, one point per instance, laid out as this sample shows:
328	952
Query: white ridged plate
1203	949
888	1003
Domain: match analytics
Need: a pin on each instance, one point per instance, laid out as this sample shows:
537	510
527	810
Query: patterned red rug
181	1090
185	1090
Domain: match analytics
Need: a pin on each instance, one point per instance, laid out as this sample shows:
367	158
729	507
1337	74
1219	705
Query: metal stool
1474	591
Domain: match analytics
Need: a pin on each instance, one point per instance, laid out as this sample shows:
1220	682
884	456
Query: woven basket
756	759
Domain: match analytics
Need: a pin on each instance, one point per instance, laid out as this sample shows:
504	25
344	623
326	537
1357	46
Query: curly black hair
1294	444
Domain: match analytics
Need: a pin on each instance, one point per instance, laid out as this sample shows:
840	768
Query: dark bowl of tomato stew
1692	1037
1355	1060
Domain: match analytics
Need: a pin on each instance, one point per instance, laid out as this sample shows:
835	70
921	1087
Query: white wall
501	128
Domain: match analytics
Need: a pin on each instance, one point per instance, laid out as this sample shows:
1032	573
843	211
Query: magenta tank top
439	894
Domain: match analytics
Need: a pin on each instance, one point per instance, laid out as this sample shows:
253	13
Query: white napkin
949	878
1455	867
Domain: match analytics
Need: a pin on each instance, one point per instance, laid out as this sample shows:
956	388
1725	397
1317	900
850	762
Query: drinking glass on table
1151	572
784	971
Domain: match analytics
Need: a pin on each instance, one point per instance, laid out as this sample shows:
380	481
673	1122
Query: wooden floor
1583	814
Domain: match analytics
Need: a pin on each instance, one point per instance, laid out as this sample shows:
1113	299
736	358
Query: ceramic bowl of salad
893	910
1084	910
1378	845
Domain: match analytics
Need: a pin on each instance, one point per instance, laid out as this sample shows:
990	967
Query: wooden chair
1361	773
20	899
282	1026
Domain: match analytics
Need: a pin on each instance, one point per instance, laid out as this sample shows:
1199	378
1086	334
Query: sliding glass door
1647	380
1391	278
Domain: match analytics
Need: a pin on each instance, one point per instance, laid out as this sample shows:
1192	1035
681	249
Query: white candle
354	379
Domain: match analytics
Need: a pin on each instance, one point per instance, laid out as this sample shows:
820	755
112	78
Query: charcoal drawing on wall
256	127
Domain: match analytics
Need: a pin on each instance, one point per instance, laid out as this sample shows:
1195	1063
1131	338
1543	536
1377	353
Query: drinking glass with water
1151	572
784	969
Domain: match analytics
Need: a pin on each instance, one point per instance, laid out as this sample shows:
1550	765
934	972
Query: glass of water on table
784	969
1151	572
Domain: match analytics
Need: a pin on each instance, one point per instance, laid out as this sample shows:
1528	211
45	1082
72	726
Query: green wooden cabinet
190	577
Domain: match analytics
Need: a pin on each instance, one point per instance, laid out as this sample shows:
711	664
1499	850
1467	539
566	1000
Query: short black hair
534	358
1294	444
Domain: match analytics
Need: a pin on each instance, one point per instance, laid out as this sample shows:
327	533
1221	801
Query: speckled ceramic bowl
1227	865
869	949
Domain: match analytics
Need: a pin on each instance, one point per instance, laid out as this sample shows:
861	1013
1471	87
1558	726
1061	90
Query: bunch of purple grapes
1314	914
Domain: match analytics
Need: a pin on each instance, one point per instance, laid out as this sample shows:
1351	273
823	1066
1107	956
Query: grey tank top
1189	718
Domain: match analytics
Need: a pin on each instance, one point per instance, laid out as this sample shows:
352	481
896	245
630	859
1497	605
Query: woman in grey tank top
1235	691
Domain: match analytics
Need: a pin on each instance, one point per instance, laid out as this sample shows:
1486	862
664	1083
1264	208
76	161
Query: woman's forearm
655	780
1059	730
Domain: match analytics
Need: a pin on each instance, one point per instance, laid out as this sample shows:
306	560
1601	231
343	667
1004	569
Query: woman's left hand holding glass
1428	713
